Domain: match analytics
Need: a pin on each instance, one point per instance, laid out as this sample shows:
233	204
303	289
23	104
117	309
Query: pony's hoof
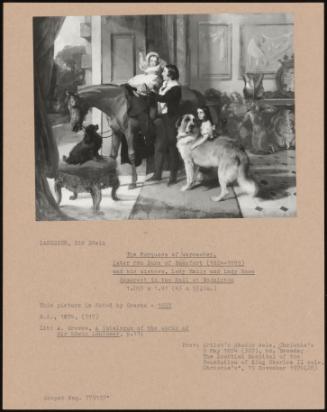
132	186
184	188
216	198
154	179
98	212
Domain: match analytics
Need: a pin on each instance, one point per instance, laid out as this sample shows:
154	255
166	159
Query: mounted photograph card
163	227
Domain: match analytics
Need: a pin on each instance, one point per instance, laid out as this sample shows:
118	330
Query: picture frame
214	40
262	46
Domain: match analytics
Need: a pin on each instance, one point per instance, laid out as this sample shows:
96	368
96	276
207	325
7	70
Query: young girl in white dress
207	128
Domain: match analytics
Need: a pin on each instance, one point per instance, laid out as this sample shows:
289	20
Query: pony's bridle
109	135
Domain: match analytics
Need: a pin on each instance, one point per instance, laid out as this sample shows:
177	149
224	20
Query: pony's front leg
131	131
115	143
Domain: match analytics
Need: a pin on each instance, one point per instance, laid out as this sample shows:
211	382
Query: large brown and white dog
224	153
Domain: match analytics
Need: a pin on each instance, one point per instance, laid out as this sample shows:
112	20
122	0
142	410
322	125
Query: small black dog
87	149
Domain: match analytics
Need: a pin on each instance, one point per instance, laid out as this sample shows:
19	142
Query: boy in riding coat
168	99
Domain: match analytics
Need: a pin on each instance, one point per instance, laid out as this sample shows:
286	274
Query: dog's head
187	124
91	128
90	133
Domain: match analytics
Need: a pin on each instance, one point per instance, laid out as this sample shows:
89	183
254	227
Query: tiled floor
81	208
159	201
275	174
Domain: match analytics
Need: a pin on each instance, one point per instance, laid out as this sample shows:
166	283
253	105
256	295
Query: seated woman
151	78
207	128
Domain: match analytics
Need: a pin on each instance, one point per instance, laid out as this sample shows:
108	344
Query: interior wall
167	35
176	38
235	82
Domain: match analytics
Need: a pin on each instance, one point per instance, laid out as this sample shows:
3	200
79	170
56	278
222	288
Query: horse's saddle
137	103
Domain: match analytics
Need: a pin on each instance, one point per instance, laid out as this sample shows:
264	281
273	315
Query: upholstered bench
90	177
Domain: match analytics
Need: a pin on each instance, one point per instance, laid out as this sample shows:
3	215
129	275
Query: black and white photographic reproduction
164	116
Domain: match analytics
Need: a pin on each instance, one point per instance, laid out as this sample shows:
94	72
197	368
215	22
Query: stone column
181	47
96	63
175	44
97	115
96	49
86	64
170	35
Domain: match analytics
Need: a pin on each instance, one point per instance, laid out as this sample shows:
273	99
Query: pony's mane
100	90
105	97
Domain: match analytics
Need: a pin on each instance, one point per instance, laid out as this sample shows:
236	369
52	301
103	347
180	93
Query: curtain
45	30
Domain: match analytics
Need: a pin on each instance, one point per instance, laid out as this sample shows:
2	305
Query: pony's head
76	111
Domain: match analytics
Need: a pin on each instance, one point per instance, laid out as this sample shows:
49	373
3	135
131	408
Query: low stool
90	177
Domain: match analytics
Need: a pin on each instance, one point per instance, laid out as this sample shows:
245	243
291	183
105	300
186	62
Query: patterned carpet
275	175
159	201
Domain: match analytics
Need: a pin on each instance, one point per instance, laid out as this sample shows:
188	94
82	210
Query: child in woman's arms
150	79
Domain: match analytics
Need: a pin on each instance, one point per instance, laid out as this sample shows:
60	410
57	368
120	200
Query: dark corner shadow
277	188
87	214
208	184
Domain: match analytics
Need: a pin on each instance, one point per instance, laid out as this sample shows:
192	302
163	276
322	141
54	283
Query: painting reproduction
145	117
264	45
